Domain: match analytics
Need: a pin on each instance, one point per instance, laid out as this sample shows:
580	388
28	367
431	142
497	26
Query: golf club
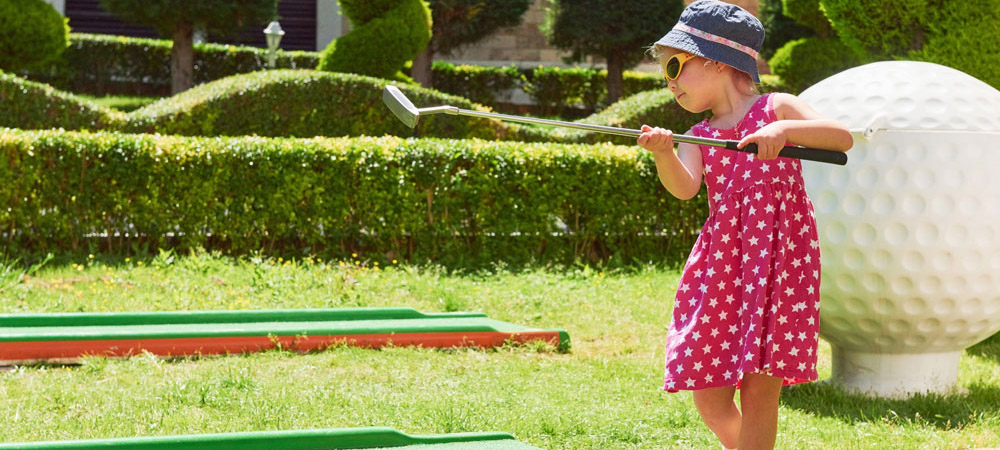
410	114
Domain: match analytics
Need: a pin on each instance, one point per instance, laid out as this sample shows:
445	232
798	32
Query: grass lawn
121	103
603	394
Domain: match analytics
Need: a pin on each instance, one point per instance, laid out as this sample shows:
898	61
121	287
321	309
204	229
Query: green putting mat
321	439
55	336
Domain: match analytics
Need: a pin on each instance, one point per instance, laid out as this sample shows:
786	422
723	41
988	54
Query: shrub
803	62
778	27
556	89
809	14
100	64
30	105
481	84
301	103
418	199
952	34
33	33
386	34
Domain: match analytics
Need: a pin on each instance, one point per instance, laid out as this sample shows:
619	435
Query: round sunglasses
672	69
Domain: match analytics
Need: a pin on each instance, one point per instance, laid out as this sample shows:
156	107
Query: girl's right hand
656	140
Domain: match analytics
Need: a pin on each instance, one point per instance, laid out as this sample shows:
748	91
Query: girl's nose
672	85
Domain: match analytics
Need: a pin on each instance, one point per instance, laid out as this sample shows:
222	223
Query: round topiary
803	62
386	35
33	33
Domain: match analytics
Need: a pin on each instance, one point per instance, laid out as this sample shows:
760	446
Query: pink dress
748	299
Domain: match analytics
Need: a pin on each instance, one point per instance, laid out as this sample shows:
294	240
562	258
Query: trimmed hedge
101	64
450	201
299	103
482	84
554	89
30	105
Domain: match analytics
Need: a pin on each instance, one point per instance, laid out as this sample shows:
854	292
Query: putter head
400	106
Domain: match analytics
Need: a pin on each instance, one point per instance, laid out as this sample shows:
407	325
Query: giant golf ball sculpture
910	228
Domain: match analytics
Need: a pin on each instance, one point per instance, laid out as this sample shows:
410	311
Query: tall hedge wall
463	201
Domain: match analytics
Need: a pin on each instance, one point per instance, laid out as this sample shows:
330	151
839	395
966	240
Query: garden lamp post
273	32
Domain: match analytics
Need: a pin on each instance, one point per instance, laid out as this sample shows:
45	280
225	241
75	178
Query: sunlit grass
604	394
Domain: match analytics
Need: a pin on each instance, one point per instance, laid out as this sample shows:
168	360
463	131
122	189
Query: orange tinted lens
674	66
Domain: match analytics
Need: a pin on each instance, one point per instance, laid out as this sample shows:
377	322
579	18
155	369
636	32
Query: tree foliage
462	22
177	20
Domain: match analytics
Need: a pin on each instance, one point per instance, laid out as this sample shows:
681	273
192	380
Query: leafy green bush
100	64
809	14
30	105
804	62
958	34
32	33
554	89
778	27
414	199
481	84
386	34
301	103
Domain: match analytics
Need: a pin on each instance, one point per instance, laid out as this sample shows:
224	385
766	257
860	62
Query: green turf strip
341	438
180	317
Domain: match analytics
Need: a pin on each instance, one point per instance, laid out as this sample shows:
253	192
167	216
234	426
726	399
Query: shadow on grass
989	348
944	412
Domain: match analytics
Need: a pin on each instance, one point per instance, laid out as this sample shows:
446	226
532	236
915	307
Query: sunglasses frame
681	58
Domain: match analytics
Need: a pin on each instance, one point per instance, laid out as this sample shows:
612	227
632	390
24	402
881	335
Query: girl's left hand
770	140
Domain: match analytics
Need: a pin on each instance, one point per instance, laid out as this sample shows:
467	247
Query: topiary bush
385	35
30	105
33	33
778	27
809	14
804	62
300	103
450	201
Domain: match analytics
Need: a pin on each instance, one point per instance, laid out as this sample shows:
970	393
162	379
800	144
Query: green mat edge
220	316
337	438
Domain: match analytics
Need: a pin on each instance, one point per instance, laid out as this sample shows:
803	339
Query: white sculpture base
898	375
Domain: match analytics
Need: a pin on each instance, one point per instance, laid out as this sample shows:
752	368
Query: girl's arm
679	172
798	124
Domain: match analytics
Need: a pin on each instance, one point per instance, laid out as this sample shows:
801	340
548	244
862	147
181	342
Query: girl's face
691	79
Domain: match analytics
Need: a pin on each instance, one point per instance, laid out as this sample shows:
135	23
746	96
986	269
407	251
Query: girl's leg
759	400
720	413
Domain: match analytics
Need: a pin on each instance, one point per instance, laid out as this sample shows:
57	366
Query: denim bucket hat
718	31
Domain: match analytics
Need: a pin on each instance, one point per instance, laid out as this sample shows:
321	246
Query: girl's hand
656	140
770	140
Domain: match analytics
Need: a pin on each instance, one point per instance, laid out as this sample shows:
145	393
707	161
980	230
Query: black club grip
791	151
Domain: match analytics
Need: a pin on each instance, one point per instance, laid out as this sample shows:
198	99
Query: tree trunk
182	58
421	70
616	66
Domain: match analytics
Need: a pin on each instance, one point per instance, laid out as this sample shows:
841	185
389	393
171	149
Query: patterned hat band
718	39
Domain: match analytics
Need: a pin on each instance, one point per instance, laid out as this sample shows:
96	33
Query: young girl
746	313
